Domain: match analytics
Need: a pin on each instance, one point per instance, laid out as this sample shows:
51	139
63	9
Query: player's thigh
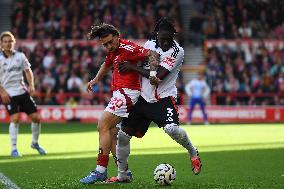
137	122
27	104
136	126
15	118
35	117
164	111
108	121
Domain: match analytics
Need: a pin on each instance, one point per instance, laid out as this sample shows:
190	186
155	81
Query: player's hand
124	66
154	80
31	90
90	85
5	97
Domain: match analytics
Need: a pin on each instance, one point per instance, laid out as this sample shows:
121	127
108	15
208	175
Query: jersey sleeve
172	59
26	63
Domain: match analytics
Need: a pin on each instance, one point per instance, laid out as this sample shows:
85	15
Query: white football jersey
11	73
171	60
197	88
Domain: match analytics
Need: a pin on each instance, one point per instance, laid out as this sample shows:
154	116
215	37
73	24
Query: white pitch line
7	182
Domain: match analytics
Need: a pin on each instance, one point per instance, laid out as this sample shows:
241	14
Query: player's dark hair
102	30
165	24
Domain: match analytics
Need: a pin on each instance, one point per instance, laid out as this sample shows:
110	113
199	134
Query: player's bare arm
101	73
30	78
154	60
4	96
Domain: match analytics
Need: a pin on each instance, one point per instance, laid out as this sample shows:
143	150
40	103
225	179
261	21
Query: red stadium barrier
216	114
237	114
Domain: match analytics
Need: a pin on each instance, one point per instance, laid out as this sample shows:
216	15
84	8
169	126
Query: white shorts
122	101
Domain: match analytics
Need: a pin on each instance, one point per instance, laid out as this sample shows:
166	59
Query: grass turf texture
233	156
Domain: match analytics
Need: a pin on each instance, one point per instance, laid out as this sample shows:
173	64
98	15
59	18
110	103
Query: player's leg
202	107
13	111
36	129
13	131
169	119
135	125
106	123
114	132
123	145
191	108
180	136
117	108
29	106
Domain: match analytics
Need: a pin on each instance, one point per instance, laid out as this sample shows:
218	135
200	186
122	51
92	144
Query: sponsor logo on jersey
127	47
169	61
14	68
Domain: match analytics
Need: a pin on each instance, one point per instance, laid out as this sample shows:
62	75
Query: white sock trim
35	127
13	131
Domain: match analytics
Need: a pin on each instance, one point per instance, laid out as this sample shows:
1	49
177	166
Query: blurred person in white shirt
198	90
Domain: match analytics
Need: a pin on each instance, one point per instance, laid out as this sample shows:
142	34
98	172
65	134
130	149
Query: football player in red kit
126	89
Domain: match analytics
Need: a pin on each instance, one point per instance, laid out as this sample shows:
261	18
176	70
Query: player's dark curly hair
165	24
102	30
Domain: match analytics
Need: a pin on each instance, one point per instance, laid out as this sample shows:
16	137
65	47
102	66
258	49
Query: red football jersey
127	51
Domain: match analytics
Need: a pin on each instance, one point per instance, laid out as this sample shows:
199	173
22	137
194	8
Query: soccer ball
164	174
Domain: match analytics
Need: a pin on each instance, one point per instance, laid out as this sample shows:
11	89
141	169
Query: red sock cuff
103	160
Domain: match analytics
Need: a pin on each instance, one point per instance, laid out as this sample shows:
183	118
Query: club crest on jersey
169	61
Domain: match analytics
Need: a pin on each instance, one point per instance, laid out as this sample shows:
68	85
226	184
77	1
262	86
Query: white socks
35	127
122	153
13	130
179	135
101	169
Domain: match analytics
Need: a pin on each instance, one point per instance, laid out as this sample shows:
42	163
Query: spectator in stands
237	19
198	91
70	20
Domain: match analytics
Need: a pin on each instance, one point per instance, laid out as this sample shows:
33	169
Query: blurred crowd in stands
241	76
62	73
231	19
72	19
256	72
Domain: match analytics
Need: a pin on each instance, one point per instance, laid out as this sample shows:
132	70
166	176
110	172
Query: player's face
7	43
165	40
110	42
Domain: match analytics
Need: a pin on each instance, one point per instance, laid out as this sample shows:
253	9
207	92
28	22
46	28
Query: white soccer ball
164	174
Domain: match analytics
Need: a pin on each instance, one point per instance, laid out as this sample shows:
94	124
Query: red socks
103	160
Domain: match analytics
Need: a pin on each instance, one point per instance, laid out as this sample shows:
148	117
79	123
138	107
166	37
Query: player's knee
15	118
35	117
123	138
106	124
171	129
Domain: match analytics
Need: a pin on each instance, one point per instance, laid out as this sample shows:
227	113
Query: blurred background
239	44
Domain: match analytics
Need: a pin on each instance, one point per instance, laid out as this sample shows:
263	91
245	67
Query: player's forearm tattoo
154	60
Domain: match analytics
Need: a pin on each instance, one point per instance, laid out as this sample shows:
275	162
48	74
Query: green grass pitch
233	156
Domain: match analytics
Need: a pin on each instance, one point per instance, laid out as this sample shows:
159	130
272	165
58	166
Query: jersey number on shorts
170	114
116	103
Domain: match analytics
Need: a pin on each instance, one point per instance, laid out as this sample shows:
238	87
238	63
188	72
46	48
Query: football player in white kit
157	102
15	95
